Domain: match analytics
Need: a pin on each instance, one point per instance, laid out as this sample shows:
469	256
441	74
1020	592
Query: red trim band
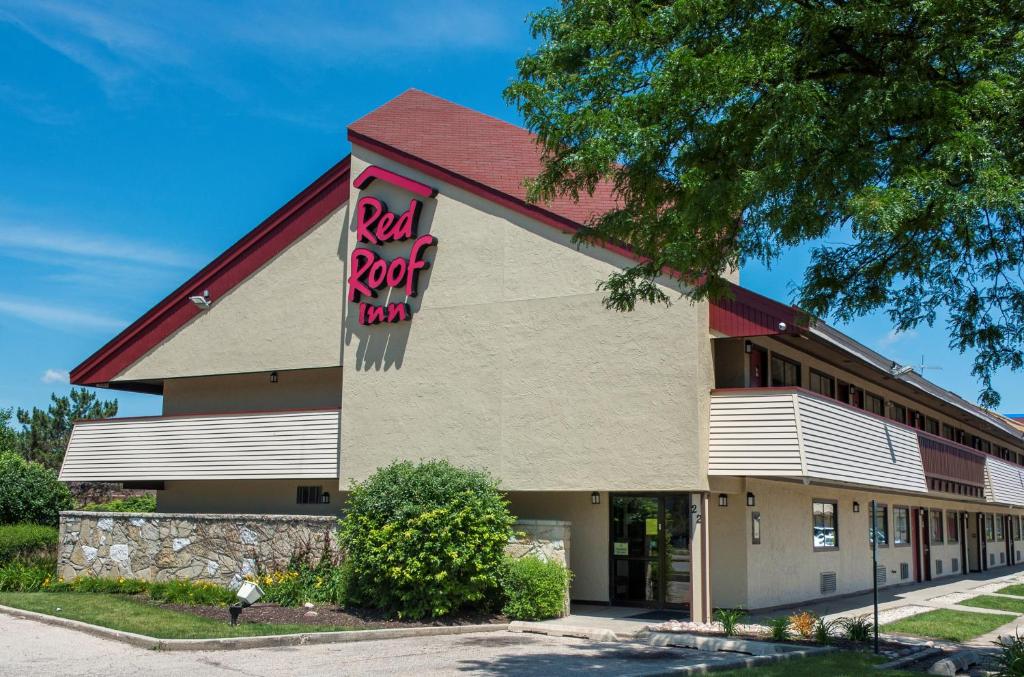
206	414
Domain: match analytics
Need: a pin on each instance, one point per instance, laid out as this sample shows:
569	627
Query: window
881	529
947	432
857	397
897	412
1016	527
755	528
307	495
931	425
826	534
935	517
989	529
901	525
785	373
874	404
916	419
999	527
952	526
823	384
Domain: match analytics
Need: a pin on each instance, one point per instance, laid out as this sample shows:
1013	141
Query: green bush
25	541
534	589
323	583
730	619
30	493
26	576
857	629
425	539
145	503
779	629
191	593
1010	659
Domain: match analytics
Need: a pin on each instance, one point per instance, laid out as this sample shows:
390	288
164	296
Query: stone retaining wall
221	549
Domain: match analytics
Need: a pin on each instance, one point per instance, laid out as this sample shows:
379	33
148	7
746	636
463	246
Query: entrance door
650	550
757	368
922	548
982	543
964	523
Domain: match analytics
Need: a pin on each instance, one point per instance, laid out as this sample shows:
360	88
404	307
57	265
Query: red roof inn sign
369	272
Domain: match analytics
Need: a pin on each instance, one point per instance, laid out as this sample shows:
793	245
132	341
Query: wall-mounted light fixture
748	347
325	497
273	377
856	506
595	498
202	302
723	500
750	499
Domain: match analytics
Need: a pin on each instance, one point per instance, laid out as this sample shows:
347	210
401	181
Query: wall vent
828	582
880	574
955	565
938	567
904	570
1002	558
1018	555
991	559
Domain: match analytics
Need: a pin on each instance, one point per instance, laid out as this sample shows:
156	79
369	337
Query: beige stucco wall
286	315
785	568
299	389
589	533
276	497
511	362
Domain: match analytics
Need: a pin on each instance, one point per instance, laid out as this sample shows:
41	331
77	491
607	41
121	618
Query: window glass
999	527
881	530
901	526
989	529
857	397
1015	521
825	528
947	432
874	404
823	384
931	425
898	412
785	373
935	517
952	526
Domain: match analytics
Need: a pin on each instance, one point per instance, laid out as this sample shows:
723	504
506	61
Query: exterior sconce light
273	377
750	499
325	497
856	506
723	500
595	498
748	347
201	302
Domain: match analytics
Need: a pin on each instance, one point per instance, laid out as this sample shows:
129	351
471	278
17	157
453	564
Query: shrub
114	586
1010	659
804	623
190	593
779	628
26	576
323	583
145	503
858	629
729	618
425	539
29	492
823	631
26	541
534	589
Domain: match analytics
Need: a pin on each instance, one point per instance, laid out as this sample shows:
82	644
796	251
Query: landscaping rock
951	665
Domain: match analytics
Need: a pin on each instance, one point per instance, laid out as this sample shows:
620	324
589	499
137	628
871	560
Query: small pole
874	566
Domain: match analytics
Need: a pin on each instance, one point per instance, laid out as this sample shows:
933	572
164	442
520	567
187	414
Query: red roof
478	147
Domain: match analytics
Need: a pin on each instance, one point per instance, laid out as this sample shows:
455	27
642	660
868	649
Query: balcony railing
264	445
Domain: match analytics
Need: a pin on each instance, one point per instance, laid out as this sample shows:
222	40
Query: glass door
650	550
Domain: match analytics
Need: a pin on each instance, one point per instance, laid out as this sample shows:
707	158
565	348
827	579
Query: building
411	304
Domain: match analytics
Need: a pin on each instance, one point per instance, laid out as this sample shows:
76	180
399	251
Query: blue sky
137	141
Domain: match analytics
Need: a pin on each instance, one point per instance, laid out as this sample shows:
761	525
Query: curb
229	643
926	652
742	662
578	631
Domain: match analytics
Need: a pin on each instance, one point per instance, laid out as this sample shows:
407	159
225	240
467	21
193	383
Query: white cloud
29	240
58	317
56	376
893	337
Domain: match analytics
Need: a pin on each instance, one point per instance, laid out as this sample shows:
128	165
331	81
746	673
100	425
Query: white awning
271	445
1004	482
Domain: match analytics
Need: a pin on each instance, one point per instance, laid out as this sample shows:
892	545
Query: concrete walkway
894	603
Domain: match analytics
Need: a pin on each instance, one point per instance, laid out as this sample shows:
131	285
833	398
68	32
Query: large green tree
46	432
888	134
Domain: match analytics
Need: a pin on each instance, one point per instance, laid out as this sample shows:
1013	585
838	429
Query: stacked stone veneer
164	546
548	540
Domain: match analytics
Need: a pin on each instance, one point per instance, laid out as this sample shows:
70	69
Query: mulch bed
363	619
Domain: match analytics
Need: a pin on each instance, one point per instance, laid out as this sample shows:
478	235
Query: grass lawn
993	602
956	626
1013	590
146	618
835	664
